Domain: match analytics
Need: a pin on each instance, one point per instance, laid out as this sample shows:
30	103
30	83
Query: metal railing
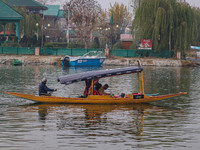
82	51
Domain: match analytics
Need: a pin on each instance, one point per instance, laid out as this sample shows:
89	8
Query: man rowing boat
43	89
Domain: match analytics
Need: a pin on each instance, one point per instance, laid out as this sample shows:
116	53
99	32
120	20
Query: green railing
17	50
82	51
66	51
142	53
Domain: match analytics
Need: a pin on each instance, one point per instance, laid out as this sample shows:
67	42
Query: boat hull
87	62
93	99
80	62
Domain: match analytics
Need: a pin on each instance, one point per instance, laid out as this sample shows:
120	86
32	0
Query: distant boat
16	63
92	58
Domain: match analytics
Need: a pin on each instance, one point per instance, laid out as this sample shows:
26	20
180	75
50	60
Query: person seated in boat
87	86
102	89
97	86
43	89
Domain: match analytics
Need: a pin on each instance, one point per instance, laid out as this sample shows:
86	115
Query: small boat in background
16	63
92	58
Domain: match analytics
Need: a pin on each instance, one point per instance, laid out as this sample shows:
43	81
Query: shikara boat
131	98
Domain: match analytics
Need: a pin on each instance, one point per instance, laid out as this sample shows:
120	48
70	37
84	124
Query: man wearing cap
43	89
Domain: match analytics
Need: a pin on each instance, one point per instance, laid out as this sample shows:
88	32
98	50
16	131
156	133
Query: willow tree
197	26
169	23
135	5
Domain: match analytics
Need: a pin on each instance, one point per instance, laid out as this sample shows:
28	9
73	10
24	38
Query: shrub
56	44
94	45
75	45
117	45
134	46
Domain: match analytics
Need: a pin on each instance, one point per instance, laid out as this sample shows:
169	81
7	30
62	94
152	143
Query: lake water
168	124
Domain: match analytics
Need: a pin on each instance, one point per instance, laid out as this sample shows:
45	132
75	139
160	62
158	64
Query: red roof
7	33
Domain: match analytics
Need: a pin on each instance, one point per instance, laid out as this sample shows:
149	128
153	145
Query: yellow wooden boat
94	99
132	98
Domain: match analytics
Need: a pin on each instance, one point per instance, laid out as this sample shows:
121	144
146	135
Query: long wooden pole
139	82
92	87
142	82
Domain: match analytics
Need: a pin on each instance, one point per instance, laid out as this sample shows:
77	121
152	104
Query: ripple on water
167	124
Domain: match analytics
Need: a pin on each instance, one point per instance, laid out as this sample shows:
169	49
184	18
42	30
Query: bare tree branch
84	17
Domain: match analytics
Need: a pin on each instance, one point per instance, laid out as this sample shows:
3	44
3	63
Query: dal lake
168	124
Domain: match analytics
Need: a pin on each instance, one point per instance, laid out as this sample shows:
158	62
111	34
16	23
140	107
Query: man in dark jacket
43	89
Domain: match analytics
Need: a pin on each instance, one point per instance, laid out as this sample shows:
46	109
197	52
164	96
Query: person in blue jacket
43	89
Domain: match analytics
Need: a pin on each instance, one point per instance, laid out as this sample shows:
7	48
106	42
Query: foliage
135	5
8	44
75	45
84	17
30	41
197	28
96	43
121	19
134	45
56	44
117	45
169	23
121	16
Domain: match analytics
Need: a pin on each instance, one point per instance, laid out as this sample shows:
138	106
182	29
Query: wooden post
107	52
37	51
178	55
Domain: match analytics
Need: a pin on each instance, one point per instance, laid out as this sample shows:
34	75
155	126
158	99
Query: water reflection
72	70
167	80
86	117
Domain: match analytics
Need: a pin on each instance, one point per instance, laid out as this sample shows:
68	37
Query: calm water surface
168	124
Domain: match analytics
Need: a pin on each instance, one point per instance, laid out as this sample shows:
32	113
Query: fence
66	51
80	52
17	50
142	53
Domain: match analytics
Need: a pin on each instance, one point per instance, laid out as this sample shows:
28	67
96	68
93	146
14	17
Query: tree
135	5
121	16
84	17
28	27
169	23
197	28
121	19
112	28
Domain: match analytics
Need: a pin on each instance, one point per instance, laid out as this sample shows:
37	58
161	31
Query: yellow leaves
121	15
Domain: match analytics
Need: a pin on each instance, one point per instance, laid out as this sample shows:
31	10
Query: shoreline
119	61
